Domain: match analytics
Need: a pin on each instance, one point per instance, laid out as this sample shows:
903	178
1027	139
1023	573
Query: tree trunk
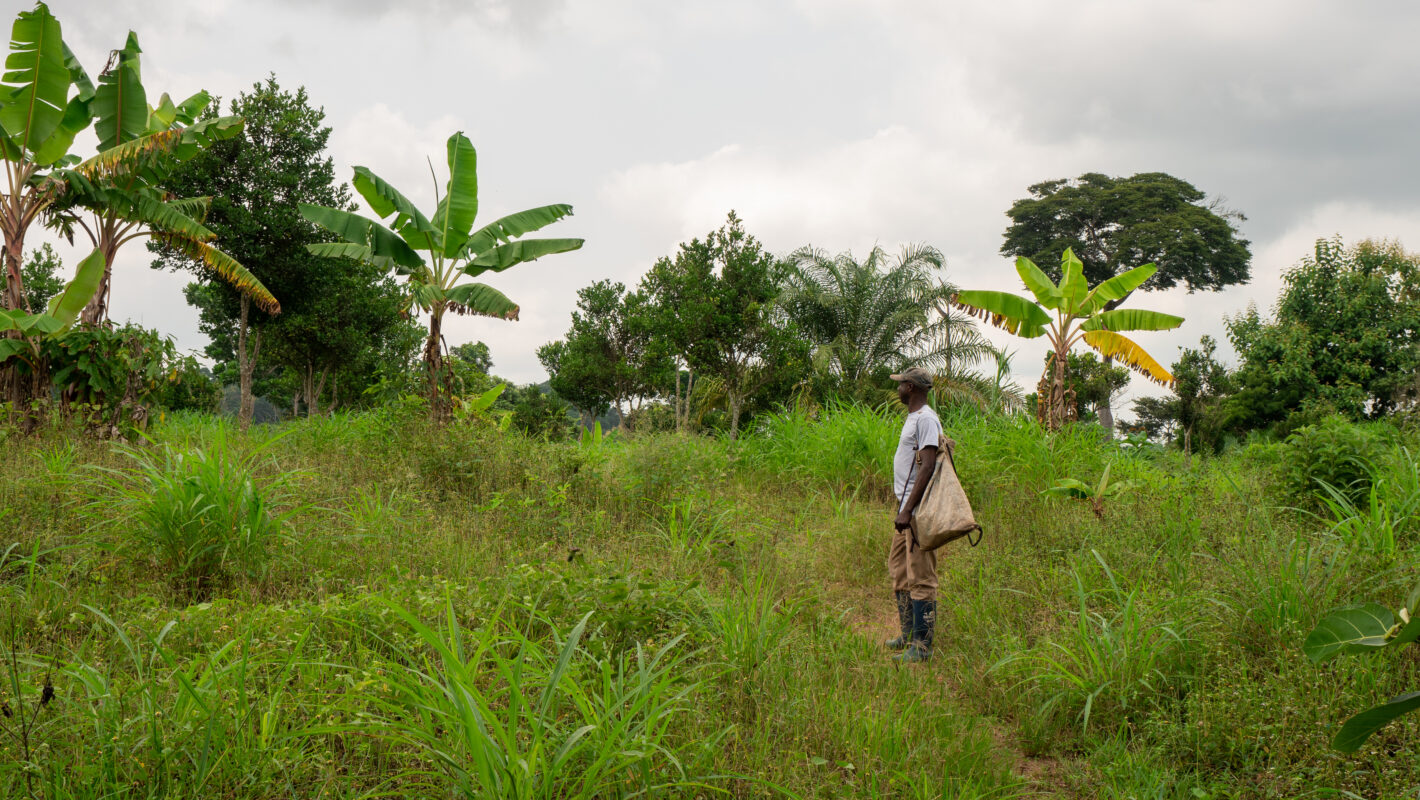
14	277
246	363
735	402
1106	415
313	402
675	399
439	409
97	309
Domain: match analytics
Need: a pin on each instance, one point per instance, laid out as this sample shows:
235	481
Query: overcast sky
836	123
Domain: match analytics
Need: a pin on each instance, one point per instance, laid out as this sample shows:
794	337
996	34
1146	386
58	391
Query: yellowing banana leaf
1007	311
65	306
512	226
481	300
1113	345
459	206
226	267
1039	284
1119	287
506	255
1073	286
36	78
169	218
1131	319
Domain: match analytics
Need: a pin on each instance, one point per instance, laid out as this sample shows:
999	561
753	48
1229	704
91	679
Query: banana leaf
1131	319
1007	311
459	206
1120	348
1039	284
37	78
65	306
512	226
481	300
506	255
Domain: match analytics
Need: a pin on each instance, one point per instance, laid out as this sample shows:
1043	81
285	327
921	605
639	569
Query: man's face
904	391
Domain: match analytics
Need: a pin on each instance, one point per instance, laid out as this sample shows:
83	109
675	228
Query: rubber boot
924	623
904	622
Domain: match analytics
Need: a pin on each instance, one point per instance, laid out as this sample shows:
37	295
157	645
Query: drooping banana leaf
506	255
121	103
360	230
37	79
1007	311
481	300
459	206
169	218
358	252
65	306
512	226
1039	284
385	200
1131	319
226	267
1120	348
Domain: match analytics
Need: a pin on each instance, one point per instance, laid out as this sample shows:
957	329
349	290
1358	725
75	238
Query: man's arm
924	476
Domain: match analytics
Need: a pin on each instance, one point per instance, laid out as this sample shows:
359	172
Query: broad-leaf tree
1345	338
723	292
610	353
1066	313
452	250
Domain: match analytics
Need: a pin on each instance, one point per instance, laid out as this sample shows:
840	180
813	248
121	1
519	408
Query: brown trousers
913	571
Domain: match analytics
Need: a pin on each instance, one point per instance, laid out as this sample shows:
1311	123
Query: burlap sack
944	514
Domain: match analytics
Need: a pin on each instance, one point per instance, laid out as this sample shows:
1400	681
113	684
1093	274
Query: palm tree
883	312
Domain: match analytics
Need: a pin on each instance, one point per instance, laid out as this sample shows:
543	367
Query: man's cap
915	375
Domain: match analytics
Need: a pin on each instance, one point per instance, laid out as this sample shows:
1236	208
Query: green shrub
205	515
1333	452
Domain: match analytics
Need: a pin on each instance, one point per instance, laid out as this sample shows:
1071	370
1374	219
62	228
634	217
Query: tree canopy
1112	224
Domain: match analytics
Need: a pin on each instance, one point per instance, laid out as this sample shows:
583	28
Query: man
913	570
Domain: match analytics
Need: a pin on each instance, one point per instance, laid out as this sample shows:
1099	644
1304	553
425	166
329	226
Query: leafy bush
205	516
1333	452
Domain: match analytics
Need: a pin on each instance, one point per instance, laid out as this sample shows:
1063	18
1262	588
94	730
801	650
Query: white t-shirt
921	429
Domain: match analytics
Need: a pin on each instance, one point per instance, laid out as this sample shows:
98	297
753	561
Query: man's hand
903	521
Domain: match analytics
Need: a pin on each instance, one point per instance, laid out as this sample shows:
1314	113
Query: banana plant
64	308
1367	628
1096	495
117	195
1068	312
452	250
39	118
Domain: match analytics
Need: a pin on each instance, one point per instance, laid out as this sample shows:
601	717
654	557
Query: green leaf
486	400
169	218
121	104
1039	284
37	77
459	206
512	226
385	200
1359	728
1409	633
1073	286
506	255
1119	287
1131	319
189	110
78	76
359	230
1349	630
481	300
77	117
66	305
163	115
1010	312
9	348
1070	487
